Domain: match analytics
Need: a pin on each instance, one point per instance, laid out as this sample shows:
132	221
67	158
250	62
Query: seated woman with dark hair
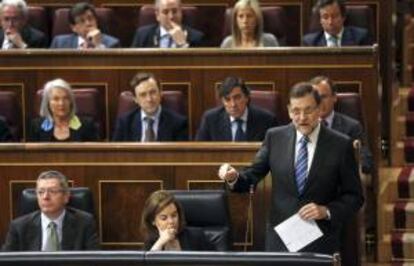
247	27
163	226
58	120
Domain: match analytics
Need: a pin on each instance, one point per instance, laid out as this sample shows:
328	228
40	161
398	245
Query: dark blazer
172	126
191	239
333	181
71	41
148	36
31	36
354	130
5	134
352	36
78	232
87	132
215	124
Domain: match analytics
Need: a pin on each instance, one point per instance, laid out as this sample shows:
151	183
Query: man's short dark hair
230	83
323	3
141	77
79	9
303	89
318	79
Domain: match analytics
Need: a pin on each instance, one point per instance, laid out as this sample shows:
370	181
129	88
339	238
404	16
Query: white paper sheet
297	233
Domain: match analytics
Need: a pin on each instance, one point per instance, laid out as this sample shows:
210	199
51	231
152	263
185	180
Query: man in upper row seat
237	119
86	34
332	14
169	32
149	121
15	33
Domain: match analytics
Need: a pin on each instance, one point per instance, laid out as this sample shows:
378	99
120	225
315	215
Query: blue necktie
301	167
240	135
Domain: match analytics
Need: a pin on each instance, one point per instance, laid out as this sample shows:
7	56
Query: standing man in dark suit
332	14
341	122
314	174
237	119
169	32
54	227
86	34
149	121
15	33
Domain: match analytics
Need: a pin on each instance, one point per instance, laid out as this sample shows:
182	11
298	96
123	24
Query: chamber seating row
216	28
89	105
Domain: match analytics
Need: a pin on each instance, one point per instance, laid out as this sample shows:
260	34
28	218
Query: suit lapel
161	127
34	234
347	37
251	125
318	157
290	159
336	122
68	231
224	127
136	127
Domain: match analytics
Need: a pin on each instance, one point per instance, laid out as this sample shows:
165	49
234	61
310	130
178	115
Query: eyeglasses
307	111
50	191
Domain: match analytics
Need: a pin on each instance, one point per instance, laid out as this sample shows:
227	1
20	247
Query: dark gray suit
78	232
71	41
333	181
352	36
354	130
215	124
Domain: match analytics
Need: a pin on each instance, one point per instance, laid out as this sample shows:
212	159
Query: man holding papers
314	175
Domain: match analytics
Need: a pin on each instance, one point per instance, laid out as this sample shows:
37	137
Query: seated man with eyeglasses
54	227
83	21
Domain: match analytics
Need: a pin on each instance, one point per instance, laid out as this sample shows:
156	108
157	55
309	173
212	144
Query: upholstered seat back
349	103
207	209
10	111
80	198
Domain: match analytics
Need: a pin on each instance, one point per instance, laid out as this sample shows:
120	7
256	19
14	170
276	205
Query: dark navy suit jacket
171	127
148	36
71	41
354	130
215	125
333	180
352	36
31	36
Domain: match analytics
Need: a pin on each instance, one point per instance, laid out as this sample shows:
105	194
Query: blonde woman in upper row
247	27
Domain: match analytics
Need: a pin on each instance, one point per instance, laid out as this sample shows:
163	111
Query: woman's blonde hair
236	34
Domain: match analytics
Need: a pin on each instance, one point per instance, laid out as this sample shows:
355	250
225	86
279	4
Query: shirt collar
155	116
163	32
242	117
313	136
329	118
338	36
58	221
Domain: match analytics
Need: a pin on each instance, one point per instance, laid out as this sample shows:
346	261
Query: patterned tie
334	41
240	135
149	131
301	167
52	239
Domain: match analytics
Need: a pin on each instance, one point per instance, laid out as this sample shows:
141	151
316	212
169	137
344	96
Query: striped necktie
301	166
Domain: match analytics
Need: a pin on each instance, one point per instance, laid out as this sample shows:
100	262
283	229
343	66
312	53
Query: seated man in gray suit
341	122
237	119
332	14
149	120
15	33
86	35
54	227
